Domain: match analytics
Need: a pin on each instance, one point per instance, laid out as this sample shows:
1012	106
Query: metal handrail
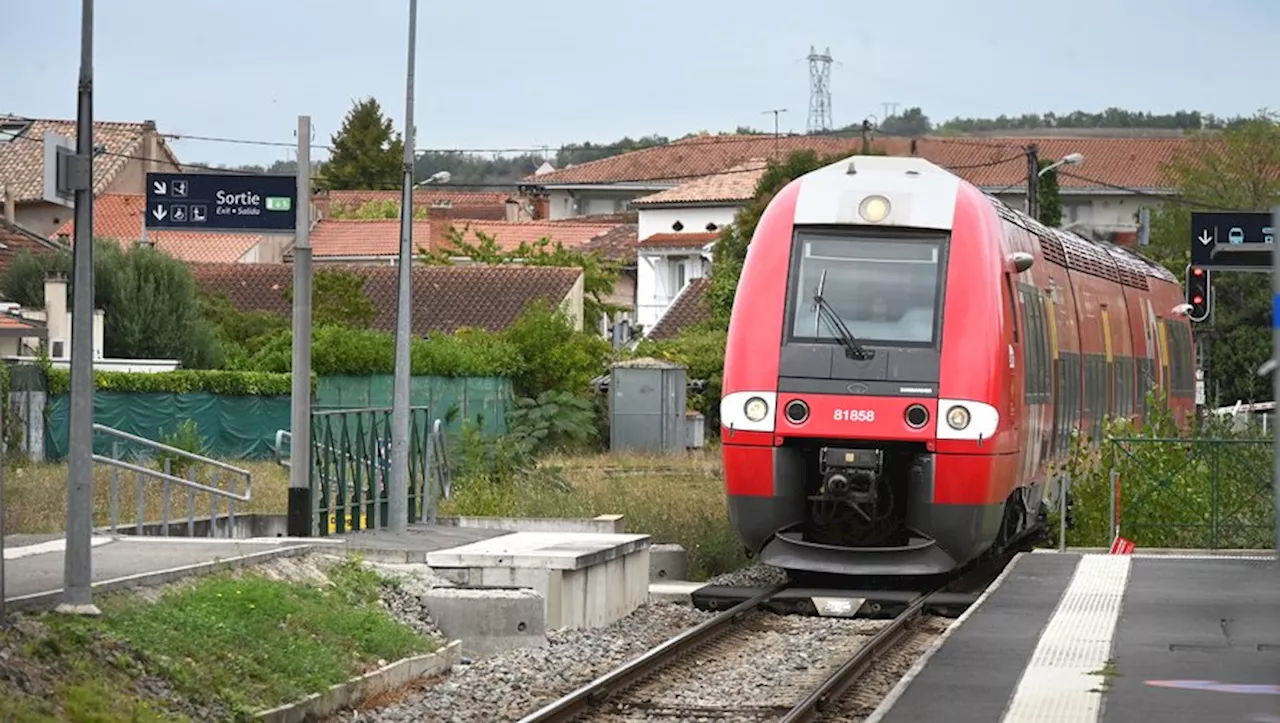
166	448
246	497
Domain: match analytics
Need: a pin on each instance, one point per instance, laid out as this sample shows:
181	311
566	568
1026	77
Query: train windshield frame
886	285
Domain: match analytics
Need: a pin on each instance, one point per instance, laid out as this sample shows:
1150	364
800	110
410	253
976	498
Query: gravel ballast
514	683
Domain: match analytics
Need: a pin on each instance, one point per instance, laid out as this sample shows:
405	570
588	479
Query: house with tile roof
377	241
120	217
678	229
619	245
1120	172
16	239
445	298
126	152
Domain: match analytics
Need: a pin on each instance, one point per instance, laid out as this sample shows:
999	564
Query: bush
181	381
553	355
345	351
1207	488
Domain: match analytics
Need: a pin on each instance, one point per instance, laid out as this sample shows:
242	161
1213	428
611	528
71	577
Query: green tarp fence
240	427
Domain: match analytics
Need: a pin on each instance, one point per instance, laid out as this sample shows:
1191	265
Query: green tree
337	297
912	122
1049	197
367	152
1237	169
150	302
387	210
599	273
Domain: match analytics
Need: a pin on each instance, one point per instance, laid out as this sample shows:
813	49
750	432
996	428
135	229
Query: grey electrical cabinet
647	406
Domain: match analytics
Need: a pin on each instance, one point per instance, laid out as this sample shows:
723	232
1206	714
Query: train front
861	433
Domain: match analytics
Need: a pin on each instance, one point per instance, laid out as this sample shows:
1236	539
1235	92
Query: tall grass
673	498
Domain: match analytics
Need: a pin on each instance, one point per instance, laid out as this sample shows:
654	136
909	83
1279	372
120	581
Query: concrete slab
35	580
489	621
675	591
1198	641
541	550
600	523
585	579
415	544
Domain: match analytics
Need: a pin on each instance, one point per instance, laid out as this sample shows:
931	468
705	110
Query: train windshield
885	289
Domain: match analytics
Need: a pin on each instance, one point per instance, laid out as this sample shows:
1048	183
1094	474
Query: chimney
56	320
10	210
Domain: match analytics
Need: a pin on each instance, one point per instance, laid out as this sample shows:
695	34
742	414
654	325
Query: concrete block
601	524
668	562
489	620
584	579
675	591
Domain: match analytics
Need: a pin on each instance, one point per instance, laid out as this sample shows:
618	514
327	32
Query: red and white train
907	355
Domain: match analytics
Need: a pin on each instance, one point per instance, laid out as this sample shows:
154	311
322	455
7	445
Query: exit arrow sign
279	203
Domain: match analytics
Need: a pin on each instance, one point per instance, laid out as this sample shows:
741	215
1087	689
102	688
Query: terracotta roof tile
11	322
445	298
618	244
985	161
509	236
356	237
735	185
15	239
690	307
680	240
353	237
22	158
118	216
462	204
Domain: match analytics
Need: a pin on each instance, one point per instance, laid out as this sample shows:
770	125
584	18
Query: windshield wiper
852	349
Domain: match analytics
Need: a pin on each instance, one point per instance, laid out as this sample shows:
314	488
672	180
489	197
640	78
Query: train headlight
874	209
958	417
756	409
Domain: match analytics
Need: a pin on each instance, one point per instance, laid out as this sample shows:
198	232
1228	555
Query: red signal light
1198	271
1197	299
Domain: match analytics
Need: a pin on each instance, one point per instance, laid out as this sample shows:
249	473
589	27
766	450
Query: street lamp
1071	159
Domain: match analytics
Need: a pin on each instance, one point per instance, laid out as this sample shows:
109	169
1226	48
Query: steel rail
579	701
834	687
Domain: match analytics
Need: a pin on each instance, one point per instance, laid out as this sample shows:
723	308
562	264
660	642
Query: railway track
670	682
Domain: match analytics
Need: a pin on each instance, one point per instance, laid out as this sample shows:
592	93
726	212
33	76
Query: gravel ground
754	575
862	699
512	684
753	673
404	597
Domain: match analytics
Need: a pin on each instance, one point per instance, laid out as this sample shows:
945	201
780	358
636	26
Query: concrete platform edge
905	681
361	688
158	577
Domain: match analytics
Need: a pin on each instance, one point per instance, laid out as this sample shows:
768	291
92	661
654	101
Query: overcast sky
502	74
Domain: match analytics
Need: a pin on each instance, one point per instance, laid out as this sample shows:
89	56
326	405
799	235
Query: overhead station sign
1232	240
222	202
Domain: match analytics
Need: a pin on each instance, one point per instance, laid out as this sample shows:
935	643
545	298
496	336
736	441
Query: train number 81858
855	415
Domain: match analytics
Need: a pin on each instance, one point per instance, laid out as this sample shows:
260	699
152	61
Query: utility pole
889	109
776	134
1033	181
300	517
77	595
398	486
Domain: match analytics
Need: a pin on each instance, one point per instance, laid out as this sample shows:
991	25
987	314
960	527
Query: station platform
1096	637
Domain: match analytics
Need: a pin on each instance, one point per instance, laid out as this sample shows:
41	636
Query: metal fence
351	466
1178	493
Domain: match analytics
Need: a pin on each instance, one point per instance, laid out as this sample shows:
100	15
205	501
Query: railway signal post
1243	241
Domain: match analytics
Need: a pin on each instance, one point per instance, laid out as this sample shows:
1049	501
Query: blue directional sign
1235	239
222	202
